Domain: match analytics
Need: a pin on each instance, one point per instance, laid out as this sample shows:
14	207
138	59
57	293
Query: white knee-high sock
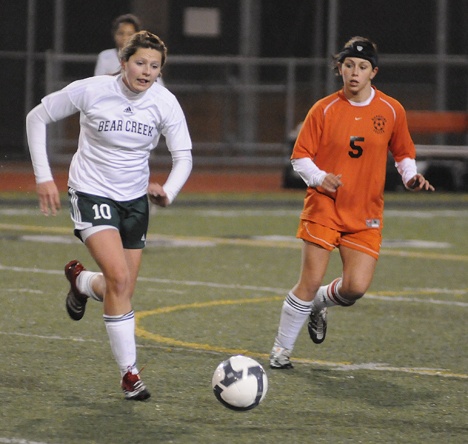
121	332
294	313
84	284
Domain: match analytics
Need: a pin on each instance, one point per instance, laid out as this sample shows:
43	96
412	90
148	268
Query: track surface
19	177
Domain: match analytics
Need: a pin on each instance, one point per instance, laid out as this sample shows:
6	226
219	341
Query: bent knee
118	283
354	296
352	292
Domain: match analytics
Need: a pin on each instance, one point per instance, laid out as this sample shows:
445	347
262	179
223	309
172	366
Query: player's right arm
305	150
314	177
36	124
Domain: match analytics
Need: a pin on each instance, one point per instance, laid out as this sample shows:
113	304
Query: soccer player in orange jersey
341	154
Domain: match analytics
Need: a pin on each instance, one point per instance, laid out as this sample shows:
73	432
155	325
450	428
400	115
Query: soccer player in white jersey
121	120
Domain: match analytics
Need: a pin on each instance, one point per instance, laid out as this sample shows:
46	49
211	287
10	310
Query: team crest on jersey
128	110
379	124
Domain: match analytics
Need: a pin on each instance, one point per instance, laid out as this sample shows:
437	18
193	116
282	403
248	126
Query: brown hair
143	39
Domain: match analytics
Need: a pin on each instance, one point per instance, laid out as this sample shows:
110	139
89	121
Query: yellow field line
339	366
141	332
36	229
247	242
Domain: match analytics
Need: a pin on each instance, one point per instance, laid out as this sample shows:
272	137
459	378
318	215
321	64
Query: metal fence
241	109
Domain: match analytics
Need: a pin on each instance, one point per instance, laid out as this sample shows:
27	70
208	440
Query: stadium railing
242	110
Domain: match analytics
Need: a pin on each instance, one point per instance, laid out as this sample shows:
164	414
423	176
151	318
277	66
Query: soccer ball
240	383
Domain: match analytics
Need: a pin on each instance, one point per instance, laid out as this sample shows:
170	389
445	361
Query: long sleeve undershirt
36	123
313	176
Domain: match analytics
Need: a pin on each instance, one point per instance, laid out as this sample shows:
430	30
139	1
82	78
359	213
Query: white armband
310	173
407	169
180	172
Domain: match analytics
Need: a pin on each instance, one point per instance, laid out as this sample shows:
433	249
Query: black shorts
130	218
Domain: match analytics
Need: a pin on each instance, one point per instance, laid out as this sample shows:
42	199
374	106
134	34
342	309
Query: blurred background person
123	27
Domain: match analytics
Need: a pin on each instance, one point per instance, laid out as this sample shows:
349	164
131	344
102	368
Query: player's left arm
404	152
412	180
418	183
164	195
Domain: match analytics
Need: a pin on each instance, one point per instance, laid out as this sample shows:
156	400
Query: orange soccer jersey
353	141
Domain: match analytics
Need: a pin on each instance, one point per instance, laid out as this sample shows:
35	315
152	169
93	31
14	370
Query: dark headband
361	49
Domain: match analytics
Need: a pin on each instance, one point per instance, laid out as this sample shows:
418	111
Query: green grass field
393	368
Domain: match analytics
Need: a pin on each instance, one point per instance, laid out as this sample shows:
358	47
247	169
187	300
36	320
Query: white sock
329	296
121	332
294	313
84	283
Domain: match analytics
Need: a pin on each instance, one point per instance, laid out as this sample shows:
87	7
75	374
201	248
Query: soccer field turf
393	368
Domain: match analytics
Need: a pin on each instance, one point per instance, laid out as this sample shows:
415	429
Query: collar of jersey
126	92
366	102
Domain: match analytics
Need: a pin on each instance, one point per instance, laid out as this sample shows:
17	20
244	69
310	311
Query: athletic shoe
76	301
133	387
318	325
279	359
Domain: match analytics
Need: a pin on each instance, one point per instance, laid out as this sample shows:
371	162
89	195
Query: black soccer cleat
318	325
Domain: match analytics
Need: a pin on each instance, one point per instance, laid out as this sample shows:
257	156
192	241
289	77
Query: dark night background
287	29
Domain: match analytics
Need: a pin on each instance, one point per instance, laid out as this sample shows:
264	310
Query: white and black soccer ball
240	383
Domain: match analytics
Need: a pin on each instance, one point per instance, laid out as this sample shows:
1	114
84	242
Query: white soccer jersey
107	62
118	130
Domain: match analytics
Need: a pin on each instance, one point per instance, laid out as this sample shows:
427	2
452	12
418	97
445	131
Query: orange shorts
366	241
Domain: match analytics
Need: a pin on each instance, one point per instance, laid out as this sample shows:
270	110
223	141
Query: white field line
341	366
336	366
395	296
262	212
18	441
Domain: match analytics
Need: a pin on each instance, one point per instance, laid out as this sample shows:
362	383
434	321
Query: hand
157	195
331	182
418	183
49	198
